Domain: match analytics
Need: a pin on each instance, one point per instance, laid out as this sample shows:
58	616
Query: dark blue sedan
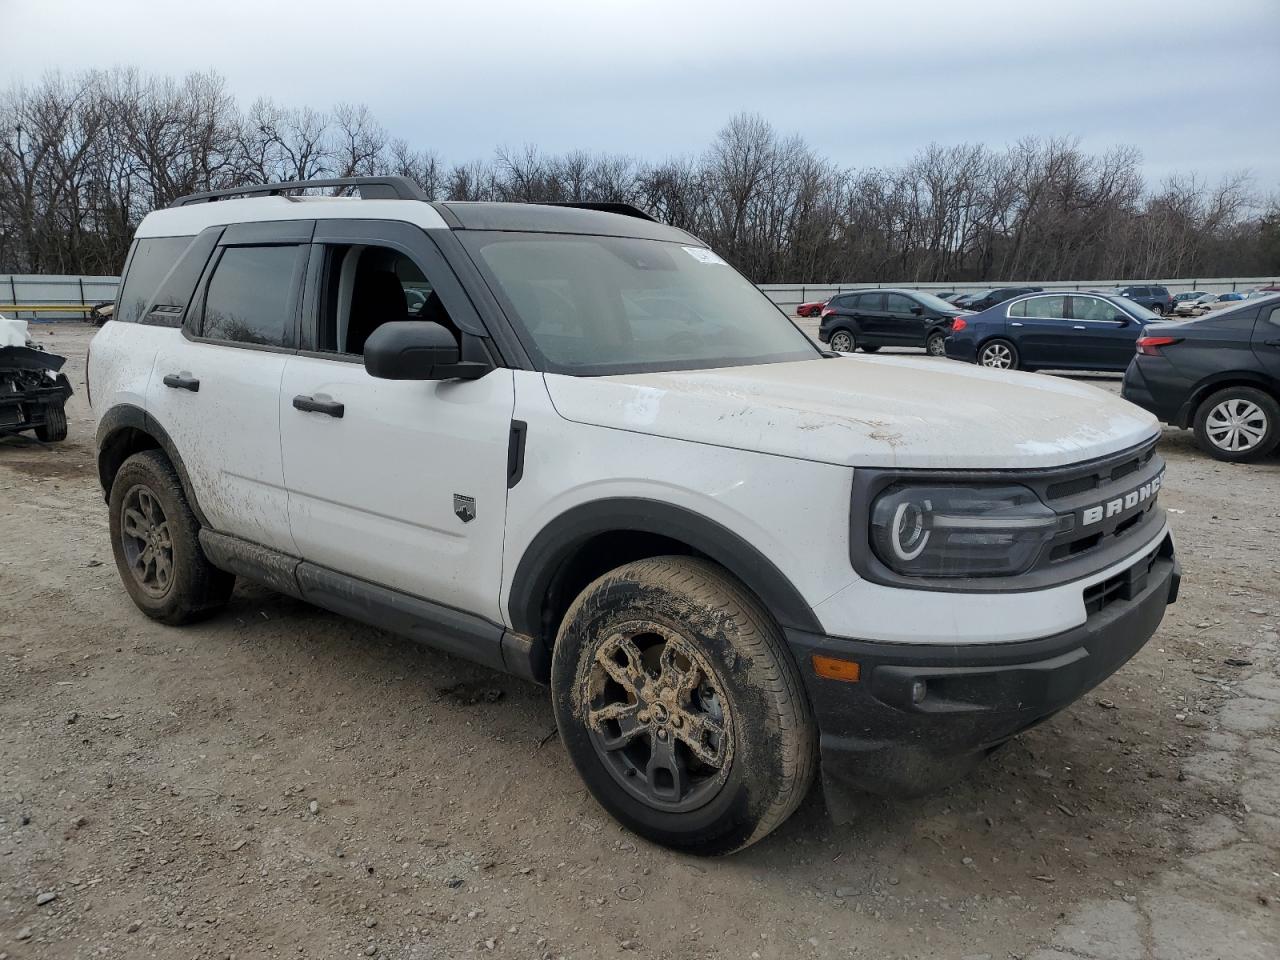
1059	331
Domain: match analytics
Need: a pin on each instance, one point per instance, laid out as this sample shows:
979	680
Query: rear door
1266	339
216	388
872	319
1039	329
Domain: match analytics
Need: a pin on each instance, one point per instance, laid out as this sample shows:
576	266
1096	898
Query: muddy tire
681	707
54	427
157	551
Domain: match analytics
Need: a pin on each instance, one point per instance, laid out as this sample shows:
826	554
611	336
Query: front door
1040	330
1103	335
905	323
399	483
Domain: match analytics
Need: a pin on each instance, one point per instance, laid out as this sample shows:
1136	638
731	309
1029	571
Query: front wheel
680	706
1238	424
842	341
1158	309
936	345
998	355
54	427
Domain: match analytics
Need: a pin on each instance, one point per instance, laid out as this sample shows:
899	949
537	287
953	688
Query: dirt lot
282	782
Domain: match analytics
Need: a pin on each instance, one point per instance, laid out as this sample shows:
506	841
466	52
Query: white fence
17	289
47	291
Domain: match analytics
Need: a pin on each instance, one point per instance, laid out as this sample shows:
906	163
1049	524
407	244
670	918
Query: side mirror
917	310
417	350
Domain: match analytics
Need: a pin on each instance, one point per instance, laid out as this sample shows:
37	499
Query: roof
398	198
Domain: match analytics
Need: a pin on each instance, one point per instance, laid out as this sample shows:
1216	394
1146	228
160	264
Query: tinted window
897	303
871	301
152	259
251	294
1018	309
1045	308
1275	317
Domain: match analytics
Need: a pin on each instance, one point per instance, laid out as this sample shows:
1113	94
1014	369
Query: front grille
1080	492
1125	585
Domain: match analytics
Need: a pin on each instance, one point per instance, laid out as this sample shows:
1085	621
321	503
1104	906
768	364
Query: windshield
930	302
590	305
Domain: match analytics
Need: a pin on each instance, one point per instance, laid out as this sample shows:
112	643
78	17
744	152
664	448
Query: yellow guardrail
47	307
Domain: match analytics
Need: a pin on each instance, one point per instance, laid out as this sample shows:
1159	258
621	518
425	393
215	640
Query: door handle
1272	343
1015	324
182	383
1077	327
330	408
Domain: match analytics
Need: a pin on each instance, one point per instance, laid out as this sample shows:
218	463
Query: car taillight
958	324
1150	346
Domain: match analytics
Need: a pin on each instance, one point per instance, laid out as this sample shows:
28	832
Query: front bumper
876	737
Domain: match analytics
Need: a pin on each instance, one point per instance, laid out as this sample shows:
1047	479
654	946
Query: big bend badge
464	507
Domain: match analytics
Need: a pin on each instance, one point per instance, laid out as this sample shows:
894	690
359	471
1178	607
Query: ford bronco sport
571	443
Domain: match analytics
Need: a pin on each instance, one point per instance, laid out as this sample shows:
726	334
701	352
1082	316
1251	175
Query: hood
866	411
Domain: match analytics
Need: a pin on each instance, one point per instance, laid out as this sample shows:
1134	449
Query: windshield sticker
703	255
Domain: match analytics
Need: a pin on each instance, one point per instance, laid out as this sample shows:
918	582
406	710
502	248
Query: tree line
83	158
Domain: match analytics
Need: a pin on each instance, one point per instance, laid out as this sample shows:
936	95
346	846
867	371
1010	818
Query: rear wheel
842	341
999	355
680	706
1238	424
936	345
1158	308
54	427
154	536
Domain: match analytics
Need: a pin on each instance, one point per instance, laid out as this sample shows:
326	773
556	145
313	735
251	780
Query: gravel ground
282	782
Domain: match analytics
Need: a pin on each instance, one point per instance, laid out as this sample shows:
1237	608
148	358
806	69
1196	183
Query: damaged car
33	391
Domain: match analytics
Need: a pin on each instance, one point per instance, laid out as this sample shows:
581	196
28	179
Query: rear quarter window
149	263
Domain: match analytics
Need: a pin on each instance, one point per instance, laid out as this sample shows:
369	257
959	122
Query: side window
251	295
151	261
1274	319
363	287
897	303
871	301
1089	308
1019	309
1046	308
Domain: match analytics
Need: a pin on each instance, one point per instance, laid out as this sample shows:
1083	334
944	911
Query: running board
434	625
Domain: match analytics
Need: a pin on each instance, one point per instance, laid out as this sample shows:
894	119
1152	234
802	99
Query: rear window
250	296
150	262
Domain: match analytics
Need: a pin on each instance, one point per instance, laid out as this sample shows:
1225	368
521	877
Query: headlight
961	531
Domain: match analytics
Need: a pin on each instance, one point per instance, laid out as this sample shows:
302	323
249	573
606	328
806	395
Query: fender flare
564	535
127	416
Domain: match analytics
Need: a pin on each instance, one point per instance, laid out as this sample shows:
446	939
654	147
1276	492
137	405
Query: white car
599	458
1191	306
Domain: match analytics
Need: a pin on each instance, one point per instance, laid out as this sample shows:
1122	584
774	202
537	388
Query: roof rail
370	188
604	206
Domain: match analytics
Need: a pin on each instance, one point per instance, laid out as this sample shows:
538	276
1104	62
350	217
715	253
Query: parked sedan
1189	305
1218	375
1059	331
872	319
810	309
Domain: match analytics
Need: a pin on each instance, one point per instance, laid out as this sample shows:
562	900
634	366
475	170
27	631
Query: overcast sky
1194	84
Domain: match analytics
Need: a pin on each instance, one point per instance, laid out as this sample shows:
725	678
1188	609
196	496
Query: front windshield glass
930	302
590	305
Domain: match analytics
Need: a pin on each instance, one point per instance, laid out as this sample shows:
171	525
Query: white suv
571	443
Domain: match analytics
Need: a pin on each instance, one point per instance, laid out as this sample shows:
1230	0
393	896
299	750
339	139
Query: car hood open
866	411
